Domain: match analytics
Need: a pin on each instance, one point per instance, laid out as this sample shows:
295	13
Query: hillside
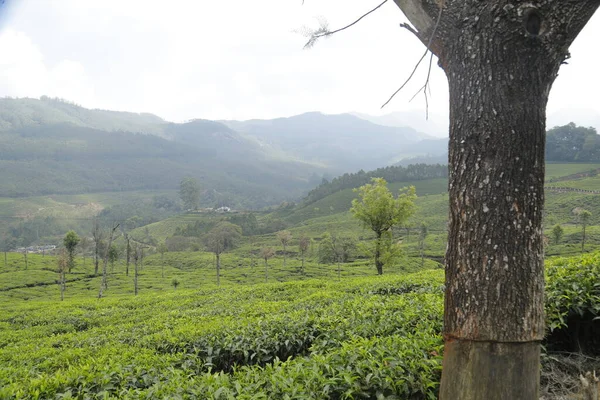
50	146
342	142
25	112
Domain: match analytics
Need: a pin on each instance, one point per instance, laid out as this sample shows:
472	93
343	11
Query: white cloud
25	74
237	59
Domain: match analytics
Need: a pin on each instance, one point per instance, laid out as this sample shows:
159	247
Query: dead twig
437	23
323	30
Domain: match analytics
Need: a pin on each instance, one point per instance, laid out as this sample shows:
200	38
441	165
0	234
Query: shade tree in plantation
266	253
189	191
113	256
104	281
557	233
62	264
70	241
423	232
584	219
162	249
379	211
219	239
303	245
97	239
284	237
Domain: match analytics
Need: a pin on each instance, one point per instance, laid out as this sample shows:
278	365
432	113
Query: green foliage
222	237
379	211
377	208
189	191
315	339
572	143
70	242
572	289
334	248
361	338
390	174
557	233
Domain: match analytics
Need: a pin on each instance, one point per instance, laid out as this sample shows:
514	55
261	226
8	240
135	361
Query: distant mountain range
52	146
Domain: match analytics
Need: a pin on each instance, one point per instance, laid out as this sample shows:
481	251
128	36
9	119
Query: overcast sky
238	59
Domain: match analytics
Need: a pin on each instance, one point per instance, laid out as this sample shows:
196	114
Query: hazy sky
236	59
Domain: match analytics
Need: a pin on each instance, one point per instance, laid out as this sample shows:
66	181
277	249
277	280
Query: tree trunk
583	239
500	58
62	285
302	262
104	282
128	254
26	262
218	269
284	256
495	250
266	271
96	250
135	274
378	262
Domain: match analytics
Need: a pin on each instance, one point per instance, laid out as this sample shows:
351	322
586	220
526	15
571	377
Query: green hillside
22	113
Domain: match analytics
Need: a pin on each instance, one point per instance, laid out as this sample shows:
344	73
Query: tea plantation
357	338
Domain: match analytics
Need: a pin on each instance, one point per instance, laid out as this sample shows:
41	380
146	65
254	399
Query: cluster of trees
391	174
572	143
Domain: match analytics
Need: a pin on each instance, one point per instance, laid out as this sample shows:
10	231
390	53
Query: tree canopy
189	191
379	211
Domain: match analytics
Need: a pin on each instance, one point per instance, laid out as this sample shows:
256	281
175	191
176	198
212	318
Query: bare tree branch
323	30
437	23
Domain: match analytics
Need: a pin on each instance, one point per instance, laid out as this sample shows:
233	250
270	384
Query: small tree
423	232
136	257
71	241
113	255
284	237
584	219
557	233
127	252
265	254
379	211
62	262
189	191
162	249
303	245
97	238
220	239
104	282
175	283
84	245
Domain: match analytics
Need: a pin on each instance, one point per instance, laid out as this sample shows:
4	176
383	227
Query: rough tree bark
501	58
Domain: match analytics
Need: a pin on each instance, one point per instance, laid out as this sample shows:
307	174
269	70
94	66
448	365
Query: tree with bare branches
501	58
284	237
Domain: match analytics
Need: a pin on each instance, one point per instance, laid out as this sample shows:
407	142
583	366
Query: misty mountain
39	157
435	125
341	142
51	146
